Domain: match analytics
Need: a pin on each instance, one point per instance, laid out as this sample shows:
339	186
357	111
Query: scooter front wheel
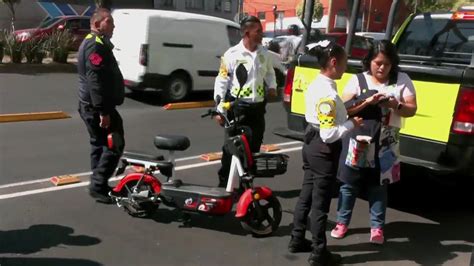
263	216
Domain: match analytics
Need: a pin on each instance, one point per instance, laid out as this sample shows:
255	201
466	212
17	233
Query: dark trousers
103	160
254	118
320	167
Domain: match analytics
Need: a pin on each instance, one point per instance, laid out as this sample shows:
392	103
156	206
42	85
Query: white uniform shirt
402	89
259	68
325	109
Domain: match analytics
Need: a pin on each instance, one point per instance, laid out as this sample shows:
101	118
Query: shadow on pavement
227	223
448	207
46	262
288	194
417	242
42	236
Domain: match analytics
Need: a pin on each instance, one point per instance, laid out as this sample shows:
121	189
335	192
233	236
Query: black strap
362	82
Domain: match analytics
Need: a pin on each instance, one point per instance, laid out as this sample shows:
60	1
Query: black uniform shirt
100	79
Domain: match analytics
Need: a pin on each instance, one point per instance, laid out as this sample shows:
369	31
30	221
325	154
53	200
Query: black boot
298	245
328	259
101	196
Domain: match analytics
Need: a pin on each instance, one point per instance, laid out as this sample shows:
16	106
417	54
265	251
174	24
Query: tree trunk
12	11
104	4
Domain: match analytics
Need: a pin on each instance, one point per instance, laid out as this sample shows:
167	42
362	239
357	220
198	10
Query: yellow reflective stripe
326	110
98	40
223	72
434	115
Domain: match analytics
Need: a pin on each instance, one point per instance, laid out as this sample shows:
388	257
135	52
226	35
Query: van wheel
177	88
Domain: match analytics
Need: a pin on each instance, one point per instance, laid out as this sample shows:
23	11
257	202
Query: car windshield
48	22
443	40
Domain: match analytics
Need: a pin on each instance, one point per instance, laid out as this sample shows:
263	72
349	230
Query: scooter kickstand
186	219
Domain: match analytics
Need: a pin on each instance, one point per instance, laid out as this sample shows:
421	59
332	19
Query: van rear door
130	36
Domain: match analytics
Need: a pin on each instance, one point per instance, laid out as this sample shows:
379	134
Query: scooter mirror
242	75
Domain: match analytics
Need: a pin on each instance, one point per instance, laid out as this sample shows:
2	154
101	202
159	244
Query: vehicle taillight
288	85
460	15
144	55
463	122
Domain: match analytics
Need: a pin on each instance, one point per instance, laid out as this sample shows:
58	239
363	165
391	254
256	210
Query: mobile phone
384	99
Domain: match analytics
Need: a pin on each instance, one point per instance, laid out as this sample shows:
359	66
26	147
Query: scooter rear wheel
133	205
263	223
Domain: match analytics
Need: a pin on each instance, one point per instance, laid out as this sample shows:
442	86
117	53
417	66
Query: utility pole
241	10
391	19
308	19
352	25
274	19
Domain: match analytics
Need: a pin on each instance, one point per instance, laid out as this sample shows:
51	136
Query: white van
175	52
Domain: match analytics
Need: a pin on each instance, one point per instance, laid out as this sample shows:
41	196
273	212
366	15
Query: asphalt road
427	223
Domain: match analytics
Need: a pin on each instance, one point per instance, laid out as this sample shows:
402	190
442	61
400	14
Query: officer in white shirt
327	123
260	84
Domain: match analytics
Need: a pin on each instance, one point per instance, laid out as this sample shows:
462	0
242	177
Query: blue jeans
377	196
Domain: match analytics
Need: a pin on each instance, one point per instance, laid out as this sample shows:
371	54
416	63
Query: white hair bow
324	44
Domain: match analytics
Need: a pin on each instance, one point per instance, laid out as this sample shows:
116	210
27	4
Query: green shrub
59	44
2	46
13	47
35	50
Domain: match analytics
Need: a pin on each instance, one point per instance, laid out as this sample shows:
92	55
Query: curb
25	68
48	66
188	105
33	116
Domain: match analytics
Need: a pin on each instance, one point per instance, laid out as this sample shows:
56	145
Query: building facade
279	14
30	13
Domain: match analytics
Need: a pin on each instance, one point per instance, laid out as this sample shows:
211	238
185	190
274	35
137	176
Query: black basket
269	164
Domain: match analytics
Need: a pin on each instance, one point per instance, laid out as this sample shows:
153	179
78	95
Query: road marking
24	183
33	116
83	184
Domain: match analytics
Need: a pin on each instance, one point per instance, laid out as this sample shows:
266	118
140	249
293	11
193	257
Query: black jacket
100	79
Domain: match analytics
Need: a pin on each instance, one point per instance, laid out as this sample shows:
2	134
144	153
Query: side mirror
242	75
61	27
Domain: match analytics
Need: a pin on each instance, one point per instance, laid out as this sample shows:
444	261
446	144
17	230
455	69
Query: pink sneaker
339	231
376	236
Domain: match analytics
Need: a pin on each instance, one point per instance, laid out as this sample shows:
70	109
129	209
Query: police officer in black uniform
100	91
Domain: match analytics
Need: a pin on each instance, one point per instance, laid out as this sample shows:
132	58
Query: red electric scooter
140	193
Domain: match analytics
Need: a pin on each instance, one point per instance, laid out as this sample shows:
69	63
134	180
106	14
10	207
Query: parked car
79	26
360	45
373	35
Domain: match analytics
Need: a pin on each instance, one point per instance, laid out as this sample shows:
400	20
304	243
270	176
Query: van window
441	39
234	35
194	4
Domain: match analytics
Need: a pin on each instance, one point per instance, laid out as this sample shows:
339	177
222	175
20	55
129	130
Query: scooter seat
141	156
172	142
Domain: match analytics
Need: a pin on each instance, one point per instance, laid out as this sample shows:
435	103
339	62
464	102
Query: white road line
83	184
88	173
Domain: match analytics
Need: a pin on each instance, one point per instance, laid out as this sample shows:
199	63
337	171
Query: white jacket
259	68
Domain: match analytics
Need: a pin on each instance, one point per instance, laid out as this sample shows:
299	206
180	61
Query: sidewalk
48	66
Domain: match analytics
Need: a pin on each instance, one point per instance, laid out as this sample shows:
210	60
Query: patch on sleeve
223	71
95	59
326	110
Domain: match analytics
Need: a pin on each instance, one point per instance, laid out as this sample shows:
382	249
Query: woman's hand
357	121
375	99
390	103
